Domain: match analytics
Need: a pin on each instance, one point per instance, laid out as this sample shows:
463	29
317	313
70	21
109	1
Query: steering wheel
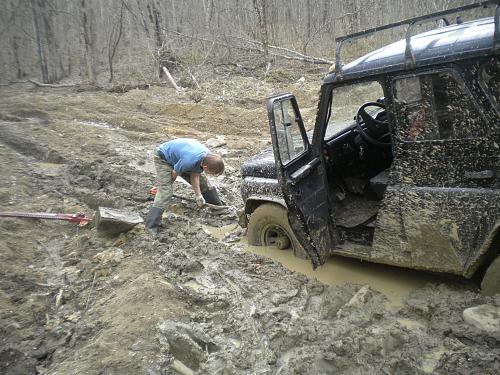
372	124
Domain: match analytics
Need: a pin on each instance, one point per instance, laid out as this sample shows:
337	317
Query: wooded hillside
129	40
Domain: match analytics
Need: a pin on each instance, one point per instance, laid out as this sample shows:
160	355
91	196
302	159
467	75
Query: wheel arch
255	201
488	251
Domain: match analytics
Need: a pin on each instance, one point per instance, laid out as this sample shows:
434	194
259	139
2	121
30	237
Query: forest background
128	41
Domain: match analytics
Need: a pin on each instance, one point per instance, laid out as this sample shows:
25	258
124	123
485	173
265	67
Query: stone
113	221
219	141
484	317
111	256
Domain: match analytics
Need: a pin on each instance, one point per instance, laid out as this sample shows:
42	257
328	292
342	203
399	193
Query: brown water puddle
394	282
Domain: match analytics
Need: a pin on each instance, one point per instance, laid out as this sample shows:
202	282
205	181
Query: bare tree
260	7
42	58
47	38
114	39
88	33
157	21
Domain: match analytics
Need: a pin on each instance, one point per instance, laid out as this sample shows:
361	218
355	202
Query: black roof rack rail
415	21
496	35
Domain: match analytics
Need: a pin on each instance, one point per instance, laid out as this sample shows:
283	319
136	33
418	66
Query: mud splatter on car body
413	181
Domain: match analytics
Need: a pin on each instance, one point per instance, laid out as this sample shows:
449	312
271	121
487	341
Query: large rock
115	221
484	317
218	141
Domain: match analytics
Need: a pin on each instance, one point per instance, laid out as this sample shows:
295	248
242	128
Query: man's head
213	164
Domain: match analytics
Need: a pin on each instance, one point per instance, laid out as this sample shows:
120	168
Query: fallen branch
256	47
52	85
298	55
12	83
123	88
171	79
181	368
194	79
59	298
90	292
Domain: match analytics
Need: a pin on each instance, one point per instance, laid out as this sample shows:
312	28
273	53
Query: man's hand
173	175
200	201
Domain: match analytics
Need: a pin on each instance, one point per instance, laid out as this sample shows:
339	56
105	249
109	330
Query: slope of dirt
73	300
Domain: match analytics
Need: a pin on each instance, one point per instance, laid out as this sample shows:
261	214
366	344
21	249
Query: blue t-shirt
184	154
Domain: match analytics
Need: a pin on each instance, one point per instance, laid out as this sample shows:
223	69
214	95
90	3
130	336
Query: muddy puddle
395	283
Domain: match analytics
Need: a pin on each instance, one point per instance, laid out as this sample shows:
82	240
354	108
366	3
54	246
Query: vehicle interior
358	159
429	107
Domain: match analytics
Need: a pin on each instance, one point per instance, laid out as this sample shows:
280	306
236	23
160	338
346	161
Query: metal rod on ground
90	292
78	218
215	207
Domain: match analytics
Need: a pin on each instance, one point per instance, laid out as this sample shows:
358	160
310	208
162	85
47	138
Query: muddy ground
77	301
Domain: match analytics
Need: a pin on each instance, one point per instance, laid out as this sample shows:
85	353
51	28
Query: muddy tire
268	226
491	280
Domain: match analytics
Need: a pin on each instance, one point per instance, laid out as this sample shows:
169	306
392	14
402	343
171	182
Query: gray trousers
165	183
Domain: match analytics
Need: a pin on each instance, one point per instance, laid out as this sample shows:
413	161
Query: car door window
435	106
291	142
490	80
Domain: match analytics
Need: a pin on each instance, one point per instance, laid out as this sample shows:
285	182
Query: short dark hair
214	163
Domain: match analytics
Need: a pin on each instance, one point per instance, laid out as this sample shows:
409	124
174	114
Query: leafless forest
129	40
84	101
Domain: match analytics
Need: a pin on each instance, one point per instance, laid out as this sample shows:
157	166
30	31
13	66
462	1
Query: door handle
303	171
480	175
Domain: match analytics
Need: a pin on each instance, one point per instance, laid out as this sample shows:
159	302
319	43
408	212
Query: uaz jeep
414	179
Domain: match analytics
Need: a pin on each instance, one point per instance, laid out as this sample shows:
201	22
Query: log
171	79
181	368
52	85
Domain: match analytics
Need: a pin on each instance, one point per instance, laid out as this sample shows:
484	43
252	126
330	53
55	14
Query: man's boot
212	197
153	220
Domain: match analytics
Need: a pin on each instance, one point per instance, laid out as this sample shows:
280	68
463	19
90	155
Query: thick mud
195	300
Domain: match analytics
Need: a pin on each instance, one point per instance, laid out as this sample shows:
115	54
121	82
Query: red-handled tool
78	218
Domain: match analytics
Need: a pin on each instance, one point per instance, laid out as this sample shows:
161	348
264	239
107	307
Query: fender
486	252
254	201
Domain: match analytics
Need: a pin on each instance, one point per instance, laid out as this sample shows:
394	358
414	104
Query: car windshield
345	103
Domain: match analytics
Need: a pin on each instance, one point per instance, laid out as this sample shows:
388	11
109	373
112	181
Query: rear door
442	201
302	178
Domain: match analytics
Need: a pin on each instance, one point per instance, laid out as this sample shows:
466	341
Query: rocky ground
77	301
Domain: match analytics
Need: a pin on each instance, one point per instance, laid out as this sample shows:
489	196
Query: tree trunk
51	43
157	23
113	41
260	7
41	53
15	48
143	18
89	41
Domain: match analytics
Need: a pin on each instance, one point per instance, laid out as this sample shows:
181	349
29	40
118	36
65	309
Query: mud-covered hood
260	165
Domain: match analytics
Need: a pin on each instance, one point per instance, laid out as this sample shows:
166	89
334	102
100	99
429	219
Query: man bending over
187	158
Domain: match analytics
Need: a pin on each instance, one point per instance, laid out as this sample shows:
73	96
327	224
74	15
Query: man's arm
195	183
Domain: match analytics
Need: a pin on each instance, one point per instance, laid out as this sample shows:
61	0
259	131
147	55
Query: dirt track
76	301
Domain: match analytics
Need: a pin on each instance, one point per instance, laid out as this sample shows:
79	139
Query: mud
75	300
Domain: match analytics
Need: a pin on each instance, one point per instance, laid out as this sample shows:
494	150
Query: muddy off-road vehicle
414	179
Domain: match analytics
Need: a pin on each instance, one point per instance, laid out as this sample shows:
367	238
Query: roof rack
411	22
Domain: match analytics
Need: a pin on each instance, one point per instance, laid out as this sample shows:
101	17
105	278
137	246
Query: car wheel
491	280
268	226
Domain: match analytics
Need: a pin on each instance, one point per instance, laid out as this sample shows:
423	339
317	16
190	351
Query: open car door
302	179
